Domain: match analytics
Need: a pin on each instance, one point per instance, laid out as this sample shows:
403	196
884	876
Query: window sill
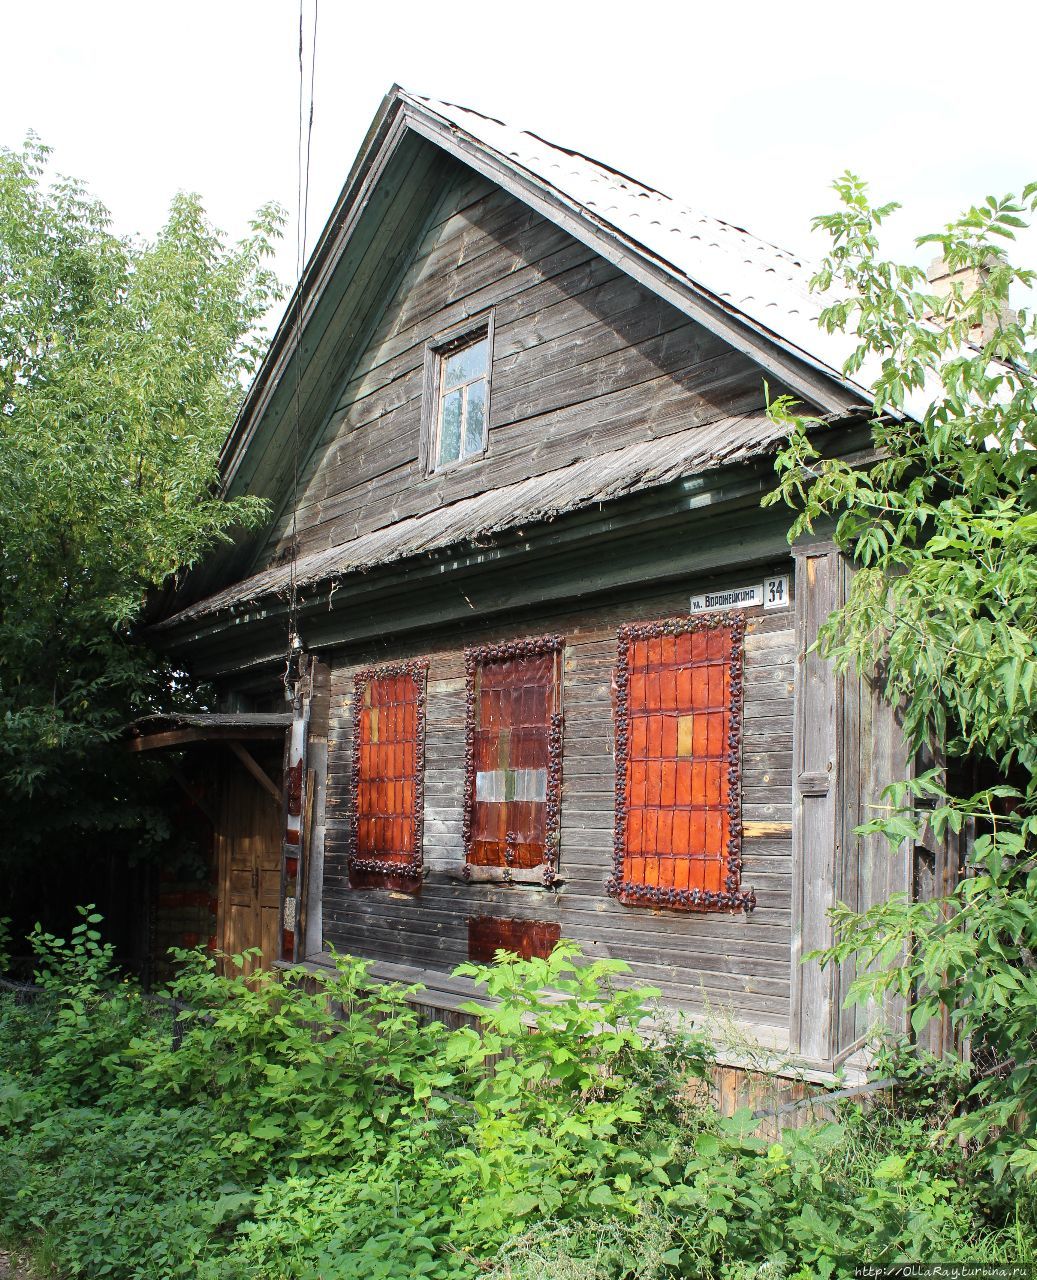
530	876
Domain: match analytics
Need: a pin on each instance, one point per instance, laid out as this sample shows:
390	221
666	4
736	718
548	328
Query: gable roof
752	295
766	288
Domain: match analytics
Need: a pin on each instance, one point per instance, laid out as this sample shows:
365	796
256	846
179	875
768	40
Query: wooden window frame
398	875
732	896
472	329
546	873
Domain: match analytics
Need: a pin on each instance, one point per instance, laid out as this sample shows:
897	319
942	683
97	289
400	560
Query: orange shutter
388	765
678	764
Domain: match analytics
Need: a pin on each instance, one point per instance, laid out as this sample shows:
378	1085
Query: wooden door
250	868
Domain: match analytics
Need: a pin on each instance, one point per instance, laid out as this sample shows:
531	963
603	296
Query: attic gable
419	156
586	361
754	296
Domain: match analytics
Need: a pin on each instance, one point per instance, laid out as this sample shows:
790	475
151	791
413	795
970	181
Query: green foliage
312	1127
943	534
121	368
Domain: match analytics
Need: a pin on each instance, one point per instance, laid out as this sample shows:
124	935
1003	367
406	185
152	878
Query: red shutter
388	765
678	764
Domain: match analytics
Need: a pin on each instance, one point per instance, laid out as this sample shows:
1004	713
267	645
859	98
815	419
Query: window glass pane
514	698
463	365
450	428
475	418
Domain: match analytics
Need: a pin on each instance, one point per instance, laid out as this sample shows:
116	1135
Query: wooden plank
766	829
877	755
700	959
171	738
818	711
611	419
326	495
360	418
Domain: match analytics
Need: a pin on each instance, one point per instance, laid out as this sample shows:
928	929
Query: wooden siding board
585	360
560	277
531	382
697	959
819	588
603	364
876	754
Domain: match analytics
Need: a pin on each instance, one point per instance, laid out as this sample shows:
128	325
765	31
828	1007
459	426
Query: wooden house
547	659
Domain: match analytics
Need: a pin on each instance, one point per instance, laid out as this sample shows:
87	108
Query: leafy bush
312	1127
939	523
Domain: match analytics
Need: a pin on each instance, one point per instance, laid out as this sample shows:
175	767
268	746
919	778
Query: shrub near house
284	1140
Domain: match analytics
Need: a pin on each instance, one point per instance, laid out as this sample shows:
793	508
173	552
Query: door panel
250	868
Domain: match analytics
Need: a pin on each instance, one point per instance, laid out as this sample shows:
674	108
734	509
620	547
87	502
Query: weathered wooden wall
848	747
584	359
697	959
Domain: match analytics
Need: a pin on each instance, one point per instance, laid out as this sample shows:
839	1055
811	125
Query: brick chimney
941	278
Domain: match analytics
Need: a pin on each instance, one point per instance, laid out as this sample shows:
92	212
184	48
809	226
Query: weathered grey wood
591	353
697	959
318	722
576	381
876	753
816	794
806	380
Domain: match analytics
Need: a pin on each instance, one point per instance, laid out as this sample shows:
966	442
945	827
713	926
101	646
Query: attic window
457	395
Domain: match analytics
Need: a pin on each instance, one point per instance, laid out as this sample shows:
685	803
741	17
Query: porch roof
162	730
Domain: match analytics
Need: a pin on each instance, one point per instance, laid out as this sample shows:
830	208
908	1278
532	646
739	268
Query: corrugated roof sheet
757	279
592	480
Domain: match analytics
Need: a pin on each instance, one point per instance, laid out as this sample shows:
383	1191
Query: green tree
942	530
121	368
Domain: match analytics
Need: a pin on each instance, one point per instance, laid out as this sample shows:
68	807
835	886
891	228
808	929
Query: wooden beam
817	799
302	879
170	738
256	770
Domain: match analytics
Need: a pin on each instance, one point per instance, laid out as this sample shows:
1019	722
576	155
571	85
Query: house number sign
772	593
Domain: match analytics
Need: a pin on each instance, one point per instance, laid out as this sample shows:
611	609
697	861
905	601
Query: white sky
746	111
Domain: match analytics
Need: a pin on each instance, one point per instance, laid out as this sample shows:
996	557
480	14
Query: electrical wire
304	146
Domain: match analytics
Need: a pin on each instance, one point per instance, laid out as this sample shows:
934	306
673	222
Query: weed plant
313	1127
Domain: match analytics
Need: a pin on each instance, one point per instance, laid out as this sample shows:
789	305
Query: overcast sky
745	111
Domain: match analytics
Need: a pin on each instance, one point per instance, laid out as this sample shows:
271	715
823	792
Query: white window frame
469	331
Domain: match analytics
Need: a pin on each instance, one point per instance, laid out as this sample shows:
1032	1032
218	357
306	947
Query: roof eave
382	138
